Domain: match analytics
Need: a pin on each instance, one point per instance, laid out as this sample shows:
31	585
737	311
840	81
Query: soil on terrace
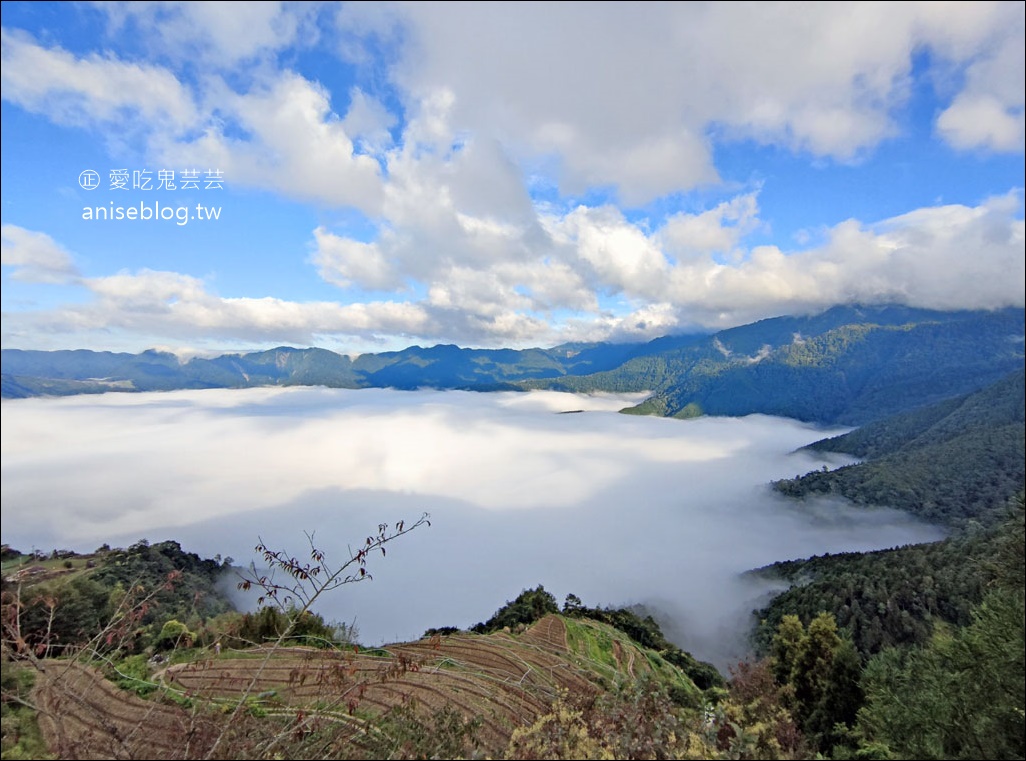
506	680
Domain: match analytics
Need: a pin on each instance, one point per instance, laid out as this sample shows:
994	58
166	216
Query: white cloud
368	122
632	96
92	90
291	142
347	262
280	134
595	276
947	257
641	324
541	93
981	44
36	257
982	122
212	32
988	113
171	305
627	97
621	98
958	257
716	231
619	255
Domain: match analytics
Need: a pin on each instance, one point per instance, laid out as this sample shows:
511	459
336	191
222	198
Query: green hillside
847	366
936	642
957	461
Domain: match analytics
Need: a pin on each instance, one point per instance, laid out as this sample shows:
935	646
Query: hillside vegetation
534	680
330	702
935	632
955	463
927	659
133	653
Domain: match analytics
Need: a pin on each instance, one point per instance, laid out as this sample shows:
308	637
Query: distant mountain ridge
847	365
35	373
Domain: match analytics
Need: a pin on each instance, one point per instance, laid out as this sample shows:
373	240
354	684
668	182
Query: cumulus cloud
211	32
279	132
629	101
91	90
618	254
628	98
946	257
171	306
486	288
347	262
176	306
614	508
716	231
35	256
980	48
988	113
632	96
368	122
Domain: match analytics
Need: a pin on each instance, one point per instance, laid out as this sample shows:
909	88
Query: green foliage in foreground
240	630
65	607
956	692
963	694
820	671
916	652
21	738
533	604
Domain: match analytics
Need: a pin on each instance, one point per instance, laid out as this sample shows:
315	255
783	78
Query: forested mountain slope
957	461
861	365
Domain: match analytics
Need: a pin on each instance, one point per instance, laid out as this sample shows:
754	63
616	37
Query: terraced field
503	680
82	715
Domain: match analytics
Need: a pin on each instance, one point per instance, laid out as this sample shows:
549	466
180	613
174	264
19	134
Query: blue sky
500	174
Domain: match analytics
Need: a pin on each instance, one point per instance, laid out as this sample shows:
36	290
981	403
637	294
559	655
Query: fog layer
614	508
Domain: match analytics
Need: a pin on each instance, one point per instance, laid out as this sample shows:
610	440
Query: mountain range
911	652
848	365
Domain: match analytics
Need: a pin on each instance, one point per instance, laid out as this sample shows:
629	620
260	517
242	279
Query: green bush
530	606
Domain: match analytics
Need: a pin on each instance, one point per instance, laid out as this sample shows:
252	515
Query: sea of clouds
616	509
